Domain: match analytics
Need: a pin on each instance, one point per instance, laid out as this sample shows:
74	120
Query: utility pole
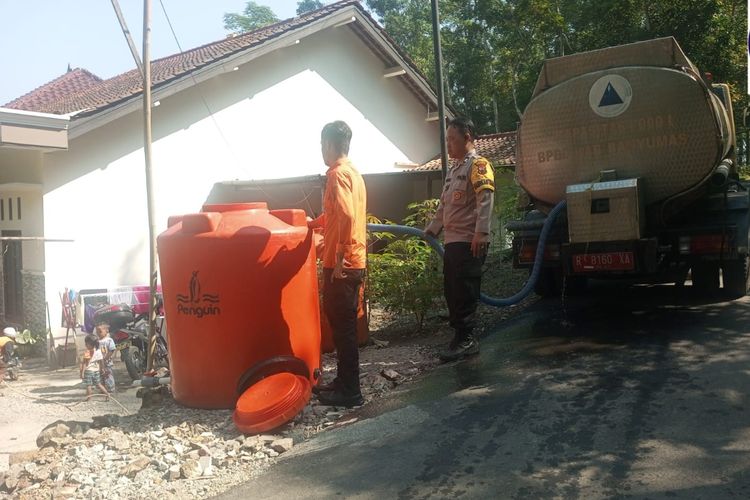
128	36
439	78
149	182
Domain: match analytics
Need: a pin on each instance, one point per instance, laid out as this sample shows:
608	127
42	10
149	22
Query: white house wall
27	197
20	178
260	121
20	165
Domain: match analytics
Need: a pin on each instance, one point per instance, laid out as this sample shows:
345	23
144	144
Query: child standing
7	349
107	346
91	366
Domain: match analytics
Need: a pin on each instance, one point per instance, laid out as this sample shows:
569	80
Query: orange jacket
344	216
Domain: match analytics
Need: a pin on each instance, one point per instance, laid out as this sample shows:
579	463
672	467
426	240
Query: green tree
253	17
493	51
408	22
308	5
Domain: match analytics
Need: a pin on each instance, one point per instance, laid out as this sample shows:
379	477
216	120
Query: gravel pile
182	452
170	451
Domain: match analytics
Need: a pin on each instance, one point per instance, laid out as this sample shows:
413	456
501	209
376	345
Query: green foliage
405	276
505	209
253	17
26	337
308	5
422	212
408	22
493	51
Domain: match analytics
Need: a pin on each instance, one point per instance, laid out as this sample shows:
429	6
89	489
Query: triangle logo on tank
610	96
195	303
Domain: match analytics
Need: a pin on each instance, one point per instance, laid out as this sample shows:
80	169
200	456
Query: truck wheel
134	362
705	277
549	283
735	274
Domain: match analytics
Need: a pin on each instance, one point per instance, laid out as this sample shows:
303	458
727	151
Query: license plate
607	261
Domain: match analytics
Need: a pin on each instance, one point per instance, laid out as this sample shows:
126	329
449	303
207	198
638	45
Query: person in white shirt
107	347
91	366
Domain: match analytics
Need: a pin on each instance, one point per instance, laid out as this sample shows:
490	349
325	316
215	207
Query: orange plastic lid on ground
271	402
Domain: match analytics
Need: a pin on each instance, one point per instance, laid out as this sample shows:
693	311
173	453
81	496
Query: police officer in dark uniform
464	213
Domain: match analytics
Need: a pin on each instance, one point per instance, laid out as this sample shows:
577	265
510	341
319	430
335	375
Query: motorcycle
130	333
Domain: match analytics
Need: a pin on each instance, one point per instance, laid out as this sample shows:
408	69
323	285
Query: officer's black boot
462	346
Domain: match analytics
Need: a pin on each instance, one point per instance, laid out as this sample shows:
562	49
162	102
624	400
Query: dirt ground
161	438
41	396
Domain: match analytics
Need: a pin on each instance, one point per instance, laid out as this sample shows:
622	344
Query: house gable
42	99
251	112
95	103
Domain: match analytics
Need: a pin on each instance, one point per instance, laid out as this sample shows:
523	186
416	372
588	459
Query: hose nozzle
721	173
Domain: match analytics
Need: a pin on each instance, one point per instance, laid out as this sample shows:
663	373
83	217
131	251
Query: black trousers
340	301
462	279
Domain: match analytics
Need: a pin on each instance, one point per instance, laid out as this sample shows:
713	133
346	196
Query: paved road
633	393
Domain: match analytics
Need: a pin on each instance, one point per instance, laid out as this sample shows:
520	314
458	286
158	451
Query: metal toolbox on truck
606	211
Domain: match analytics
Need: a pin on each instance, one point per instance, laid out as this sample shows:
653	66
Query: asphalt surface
635	392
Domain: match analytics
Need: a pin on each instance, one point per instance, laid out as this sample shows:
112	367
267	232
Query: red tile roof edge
506	160
104	94
51	87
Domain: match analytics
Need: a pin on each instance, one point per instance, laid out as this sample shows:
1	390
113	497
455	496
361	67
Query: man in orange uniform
344	260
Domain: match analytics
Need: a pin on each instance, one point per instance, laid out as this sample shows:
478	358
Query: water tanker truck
641	147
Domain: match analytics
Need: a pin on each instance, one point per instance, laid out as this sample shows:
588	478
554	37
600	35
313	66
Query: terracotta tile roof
53	98
500	149
72	82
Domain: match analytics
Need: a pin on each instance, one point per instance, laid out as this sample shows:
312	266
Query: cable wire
237	163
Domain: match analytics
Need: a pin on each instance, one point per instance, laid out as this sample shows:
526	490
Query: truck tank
642	110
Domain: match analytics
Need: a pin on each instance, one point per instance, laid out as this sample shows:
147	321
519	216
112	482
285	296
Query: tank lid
233	207
271	402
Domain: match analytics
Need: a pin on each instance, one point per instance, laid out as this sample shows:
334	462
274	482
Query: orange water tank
241	300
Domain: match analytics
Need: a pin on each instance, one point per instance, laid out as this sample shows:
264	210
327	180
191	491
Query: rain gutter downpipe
490	301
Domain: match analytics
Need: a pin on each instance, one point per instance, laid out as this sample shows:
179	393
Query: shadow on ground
637	391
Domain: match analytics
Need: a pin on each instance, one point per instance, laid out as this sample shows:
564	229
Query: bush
405	277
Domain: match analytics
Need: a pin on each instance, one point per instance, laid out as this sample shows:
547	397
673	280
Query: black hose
490	301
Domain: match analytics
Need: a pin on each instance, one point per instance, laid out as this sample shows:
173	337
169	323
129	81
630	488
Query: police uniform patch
482	176
481	165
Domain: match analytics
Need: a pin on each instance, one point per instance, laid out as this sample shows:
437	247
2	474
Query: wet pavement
637	392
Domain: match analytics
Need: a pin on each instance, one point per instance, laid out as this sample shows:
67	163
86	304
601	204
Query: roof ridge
84	70
94	94
239	37
495	134
498	147
244	34
50	84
